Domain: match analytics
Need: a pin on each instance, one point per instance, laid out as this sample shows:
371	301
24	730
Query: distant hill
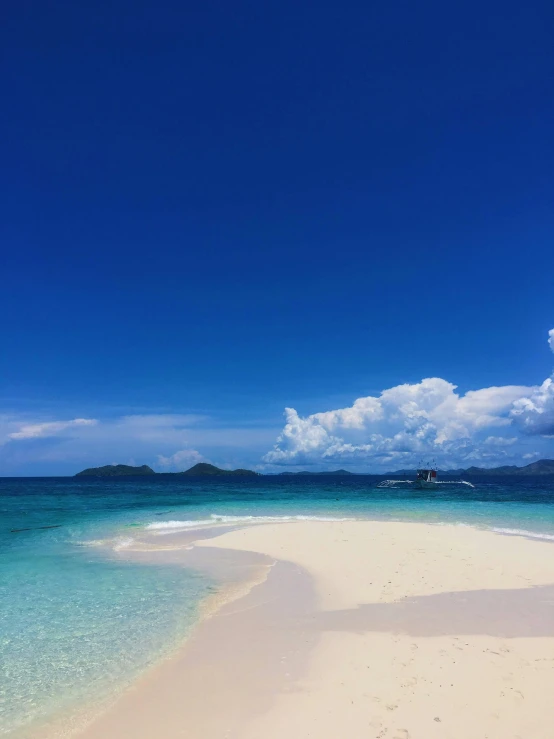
123	470
203	468
540	467
116	470
306	472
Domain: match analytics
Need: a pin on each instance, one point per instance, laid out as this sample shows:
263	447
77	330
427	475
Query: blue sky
212	212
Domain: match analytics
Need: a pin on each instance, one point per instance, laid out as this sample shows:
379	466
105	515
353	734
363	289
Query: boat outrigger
426	479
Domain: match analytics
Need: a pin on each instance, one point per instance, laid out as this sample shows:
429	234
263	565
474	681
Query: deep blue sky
228	208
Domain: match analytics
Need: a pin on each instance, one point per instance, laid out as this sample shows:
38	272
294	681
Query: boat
426	479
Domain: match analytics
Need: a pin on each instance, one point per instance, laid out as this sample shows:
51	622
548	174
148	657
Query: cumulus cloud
533	414
181	460
500	441
421	419
410	420
49	428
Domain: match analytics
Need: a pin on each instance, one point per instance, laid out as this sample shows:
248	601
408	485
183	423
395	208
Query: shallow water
75	621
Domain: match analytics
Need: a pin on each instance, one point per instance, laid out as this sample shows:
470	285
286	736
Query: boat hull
425	485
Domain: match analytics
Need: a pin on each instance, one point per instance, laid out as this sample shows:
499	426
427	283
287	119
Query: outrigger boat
426	479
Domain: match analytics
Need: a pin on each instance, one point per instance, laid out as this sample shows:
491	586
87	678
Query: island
125	470
540	467
116	470
306	472
203	468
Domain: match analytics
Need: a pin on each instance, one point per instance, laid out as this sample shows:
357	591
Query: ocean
78	623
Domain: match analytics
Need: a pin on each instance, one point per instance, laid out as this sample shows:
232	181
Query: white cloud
181	460
39	445
500	441
49	428
396	428
413	420
533	414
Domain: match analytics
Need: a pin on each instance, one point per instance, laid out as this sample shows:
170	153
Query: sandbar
361	629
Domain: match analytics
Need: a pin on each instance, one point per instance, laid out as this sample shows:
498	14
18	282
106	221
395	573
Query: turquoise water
76	622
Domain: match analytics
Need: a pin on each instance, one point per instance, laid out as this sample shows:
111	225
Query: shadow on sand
504	613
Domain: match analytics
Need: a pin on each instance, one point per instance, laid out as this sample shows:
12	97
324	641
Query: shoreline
233	573
230	668
387	629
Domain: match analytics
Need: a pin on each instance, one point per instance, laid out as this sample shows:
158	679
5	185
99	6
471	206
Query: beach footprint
402	734
408	683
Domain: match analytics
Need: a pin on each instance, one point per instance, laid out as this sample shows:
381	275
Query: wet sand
359	629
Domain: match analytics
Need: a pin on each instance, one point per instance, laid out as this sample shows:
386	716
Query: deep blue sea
76	623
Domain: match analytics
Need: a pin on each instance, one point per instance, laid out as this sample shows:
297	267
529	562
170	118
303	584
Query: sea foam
218	519
523	532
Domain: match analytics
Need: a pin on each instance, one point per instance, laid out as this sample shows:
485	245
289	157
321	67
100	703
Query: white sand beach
362	630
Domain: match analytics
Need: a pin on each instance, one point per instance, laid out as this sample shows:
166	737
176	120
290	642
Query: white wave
179	524
92	543
523	532
323	518
218	519
121	542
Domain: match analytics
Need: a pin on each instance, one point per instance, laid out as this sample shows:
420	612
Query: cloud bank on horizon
425	419
398	428
169	442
